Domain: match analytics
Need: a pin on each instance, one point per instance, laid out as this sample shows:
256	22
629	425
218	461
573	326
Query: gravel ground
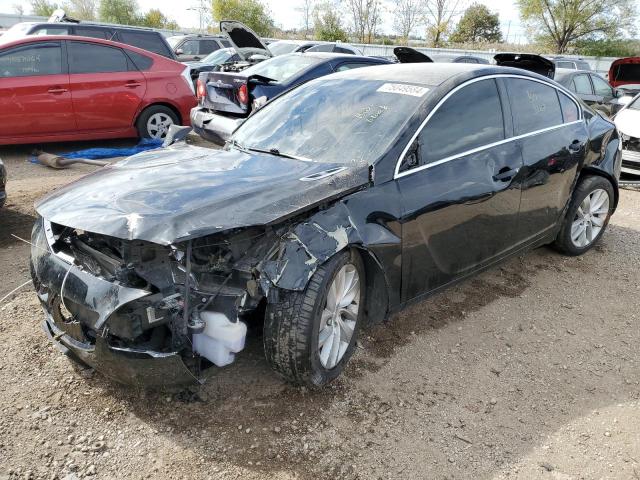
527	371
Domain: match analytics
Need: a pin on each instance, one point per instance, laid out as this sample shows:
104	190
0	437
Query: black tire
586	186
292	325
147	113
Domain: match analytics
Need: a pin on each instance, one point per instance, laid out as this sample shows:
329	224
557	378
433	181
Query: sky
286	16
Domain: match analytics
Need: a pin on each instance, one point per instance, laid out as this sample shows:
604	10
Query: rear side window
142	62
32	60
351	66
226	43
570	111
534	105
83	58
51	31
91	32
208	46
190	47
582	85
343	50
470	118
601	87
583	66
565	65
151	41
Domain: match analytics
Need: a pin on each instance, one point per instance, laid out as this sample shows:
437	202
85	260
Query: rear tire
154	122
294	345
587	217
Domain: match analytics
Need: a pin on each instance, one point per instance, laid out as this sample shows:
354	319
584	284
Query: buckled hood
181	192
244	40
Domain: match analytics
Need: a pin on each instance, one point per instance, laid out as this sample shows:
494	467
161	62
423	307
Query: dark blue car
227	98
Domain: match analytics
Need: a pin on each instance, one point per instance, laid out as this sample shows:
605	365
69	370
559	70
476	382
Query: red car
625	72
60	88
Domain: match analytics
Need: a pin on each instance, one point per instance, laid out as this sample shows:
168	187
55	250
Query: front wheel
587	217
309	336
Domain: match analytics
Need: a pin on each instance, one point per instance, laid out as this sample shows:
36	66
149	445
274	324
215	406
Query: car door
106	88
553	141
603	92
35	96
458	186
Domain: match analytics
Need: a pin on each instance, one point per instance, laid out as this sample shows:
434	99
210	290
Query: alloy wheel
339	316
590	218
158	125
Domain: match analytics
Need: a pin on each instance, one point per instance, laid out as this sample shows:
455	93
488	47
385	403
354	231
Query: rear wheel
587	217
309	336
154	122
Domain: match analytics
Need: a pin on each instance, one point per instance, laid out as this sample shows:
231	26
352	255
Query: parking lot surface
530	370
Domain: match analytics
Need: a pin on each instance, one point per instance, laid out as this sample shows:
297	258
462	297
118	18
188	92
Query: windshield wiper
277	153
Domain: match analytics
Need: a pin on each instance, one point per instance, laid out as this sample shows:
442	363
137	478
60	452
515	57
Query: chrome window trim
397	174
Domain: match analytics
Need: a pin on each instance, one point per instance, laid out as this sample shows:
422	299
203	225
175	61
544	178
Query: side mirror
617	93
179	51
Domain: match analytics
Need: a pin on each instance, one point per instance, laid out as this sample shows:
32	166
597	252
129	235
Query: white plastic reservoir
221	338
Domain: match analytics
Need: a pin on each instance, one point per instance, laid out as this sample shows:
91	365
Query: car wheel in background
310	335
154	122
587	217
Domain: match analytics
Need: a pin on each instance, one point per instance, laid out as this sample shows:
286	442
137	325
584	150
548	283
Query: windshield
282	68
635	103
334	120
219	56
173	41
280	48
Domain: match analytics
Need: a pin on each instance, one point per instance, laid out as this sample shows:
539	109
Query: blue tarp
100	153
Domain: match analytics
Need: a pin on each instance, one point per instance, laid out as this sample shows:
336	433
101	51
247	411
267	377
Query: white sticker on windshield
403	89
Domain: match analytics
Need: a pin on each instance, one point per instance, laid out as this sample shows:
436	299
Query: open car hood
244	40
527	61
620	76
410	55
181	192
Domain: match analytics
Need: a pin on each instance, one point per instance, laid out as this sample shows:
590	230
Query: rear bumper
213	127
631	162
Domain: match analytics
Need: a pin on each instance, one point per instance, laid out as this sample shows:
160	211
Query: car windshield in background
219	56
282	68
338	120
173	41
17	31
635	103
280	48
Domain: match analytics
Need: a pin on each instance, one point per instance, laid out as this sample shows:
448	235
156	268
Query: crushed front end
131	308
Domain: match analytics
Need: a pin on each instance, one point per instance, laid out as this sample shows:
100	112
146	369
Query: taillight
201	90
243	95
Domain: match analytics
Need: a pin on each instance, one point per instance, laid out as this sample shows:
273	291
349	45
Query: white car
628	122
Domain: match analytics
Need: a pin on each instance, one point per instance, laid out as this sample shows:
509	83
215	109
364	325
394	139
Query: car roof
433	74
93	24
331	55
48	38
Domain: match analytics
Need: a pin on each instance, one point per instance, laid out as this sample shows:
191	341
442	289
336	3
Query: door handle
132	84
505	174
57	90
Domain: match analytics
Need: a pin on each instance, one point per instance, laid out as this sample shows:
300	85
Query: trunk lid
527	61
411	55
244	40
228	92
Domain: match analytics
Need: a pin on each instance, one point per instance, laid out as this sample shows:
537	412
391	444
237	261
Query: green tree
438	15
561	23
124	12
154	18
252	13
608	48
477	24
43	8
327	23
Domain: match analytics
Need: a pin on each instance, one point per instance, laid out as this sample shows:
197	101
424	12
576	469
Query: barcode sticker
403	89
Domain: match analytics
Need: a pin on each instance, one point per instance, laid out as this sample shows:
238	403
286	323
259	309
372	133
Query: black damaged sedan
335	205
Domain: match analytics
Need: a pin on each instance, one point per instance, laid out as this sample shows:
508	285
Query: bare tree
18	9
82	9
306	9
366	17
406	17
438	16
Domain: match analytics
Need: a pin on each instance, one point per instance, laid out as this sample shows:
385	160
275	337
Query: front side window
350	66
280	48
470	118
208	46
601	87
32	60
82	58
534	105
91	32
582	85
190	47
